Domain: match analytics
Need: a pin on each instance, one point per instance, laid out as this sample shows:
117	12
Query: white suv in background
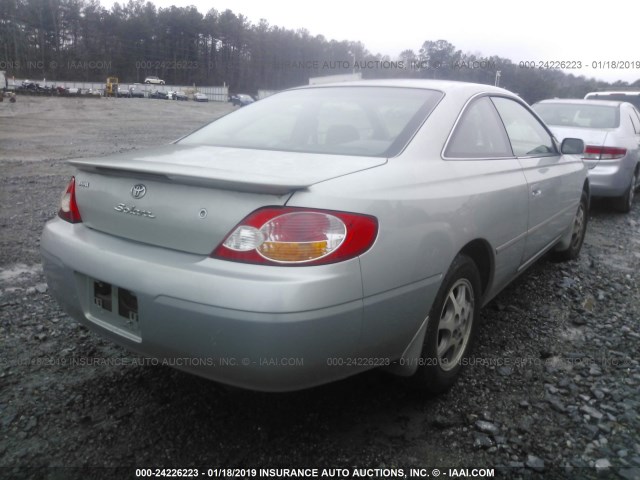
631	96
155	80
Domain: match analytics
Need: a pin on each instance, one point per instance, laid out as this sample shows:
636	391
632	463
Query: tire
452	327
624	203
578	232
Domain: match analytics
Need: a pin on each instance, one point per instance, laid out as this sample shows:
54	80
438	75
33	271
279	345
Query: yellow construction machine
111	89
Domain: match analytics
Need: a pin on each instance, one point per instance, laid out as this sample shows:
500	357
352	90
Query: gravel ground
553	390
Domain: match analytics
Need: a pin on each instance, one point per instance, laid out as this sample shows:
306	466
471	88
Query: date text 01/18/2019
578	64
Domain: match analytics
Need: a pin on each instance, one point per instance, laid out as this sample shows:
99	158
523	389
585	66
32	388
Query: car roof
615	92
582	101
445	86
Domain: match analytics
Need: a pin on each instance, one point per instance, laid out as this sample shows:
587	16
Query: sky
540	31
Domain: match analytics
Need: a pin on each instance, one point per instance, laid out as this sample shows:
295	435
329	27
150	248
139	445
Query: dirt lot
553	390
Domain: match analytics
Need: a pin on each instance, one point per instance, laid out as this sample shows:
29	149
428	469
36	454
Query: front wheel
451	328
578	232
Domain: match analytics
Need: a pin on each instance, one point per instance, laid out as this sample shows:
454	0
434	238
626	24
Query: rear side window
634	120
637	115
582	115
527	135
479	133
365	121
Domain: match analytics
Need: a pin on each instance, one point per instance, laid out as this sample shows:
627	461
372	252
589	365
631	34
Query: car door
553	179
479	147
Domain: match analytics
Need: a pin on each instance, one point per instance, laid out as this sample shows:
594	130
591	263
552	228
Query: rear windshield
366	121
631	97
578	115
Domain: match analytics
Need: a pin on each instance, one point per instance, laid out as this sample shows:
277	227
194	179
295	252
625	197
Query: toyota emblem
138	191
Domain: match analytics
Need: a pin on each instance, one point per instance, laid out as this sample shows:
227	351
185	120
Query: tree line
80	40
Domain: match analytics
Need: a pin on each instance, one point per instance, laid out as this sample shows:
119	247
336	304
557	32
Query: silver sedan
318	233
611	133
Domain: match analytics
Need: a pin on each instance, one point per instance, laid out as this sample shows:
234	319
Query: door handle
536	193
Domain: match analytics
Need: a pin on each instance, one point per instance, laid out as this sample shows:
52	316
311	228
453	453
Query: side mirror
572	146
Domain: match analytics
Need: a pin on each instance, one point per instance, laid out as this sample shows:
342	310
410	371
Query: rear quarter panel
428	209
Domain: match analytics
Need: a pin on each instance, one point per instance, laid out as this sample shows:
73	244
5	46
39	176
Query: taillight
298	236
592	152
68	206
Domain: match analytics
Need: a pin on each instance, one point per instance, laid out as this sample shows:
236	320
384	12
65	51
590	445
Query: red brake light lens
68	207
297	236
592	152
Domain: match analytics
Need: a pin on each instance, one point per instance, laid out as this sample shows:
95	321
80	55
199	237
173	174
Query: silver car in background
318	233
200	97
611	133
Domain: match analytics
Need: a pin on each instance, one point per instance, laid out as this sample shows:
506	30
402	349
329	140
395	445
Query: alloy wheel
454	328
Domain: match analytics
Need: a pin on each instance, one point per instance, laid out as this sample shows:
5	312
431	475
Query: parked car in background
173	95
200	97
154	80
611	133
135	91
159	94
241	99
631	96
325	231
34	88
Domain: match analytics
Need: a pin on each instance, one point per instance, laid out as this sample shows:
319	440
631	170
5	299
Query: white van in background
631	96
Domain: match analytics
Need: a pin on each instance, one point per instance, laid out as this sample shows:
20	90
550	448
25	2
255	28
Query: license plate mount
114	307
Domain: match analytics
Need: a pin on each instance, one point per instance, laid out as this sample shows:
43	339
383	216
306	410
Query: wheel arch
480	251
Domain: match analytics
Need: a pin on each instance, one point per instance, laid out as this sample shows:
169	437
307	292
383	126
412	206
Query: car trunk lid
189	198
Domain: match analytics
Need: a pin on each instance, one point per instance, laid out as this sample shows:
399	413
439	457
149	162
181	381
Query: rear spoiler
192	175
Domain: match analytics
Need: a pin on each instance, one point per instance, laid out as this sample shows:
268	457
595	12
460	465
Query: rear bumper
267	328
611	178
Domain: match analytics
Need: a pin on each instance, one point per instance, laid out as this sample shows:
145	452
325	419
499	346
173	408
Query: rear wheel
452	327
578	232
625	202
